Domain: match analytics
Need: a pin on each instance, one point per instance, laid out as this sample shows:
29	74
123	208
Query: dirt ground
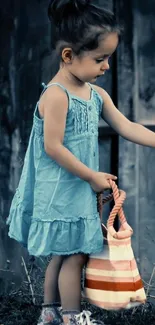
17	307
18	310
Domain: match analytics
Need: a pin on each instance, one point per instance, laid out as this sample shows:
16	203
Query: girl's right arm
55	109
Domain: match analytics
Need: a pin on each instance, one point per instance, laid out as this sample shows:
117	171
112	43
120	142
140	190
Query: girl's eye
99	60
104	58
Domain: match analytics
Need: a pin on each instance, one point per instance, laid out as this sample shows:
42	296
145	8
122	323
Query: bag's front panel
112	277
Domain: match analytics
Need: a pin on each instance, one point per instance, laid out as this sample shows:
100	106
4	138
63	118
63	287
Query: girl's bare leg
70	282
51	291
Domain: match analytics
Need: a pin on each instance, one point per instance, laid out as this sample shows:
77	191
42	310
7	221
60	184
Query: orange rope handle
119	198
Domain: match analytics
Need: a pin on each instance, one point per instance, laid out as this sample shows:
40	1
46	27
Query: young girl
54	210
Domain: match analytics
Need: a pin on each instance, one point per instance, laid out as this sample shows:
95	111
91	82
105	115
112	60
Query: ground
20	311
23	306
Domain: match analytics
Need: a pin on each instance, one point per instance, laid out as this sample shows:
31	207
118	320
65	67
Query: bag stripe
121	242
109	265
114	286
111	297
112	273
124	279
114	305
122	253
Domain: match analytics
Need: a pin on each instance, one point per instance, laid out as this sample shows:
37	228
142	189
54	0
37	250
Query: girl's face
93	64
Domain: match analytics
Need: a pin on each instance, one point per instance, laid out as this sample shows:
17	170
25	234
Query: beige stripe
115	253
123	279
115	306
113	296
116	274
125	240
115	242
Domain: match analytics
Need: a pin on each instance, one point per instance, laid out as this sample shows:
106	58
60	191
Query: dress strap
53	84
91	87
45	87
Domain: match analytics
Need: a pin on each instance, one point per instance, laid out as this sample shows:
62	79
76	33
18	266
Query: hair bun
60	9
81	4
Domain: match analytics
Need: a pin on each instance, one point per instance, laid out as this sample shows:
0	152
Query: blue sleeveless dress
54	211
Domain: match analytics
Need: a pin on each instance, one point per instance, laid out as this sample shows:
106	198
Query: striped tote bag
112	279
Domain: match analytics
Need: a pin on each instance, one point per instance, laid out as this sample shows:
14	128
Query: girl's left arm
131	131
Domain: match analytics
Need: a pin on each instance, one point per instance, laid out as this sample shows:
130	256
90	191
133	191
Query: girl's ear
67	55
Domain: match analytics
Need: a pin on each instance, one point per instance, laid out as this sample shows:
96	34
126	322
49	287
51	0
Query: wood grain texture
127	151
145	112
106	80
136	101
105	166
25	42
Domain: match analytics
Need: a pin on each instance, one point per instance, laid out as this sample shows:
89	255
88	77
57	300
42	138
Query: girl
54	209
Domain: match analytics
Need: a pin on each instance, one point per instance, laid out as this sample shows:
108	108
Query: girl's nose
106	65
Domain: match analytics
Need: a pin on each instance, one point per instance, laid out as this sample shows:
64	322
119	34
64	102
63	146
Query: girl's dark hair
79	24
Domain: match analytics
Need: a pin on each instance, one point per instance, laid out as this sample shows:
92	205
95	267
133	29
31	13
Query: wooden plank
146	210
30	45
9	115
105	166
144	112
25	45
106	130
136	163
145	59
106	80
108	138
127	176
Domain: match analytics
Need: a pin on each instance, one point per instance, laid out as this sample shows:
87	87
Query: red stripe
113	286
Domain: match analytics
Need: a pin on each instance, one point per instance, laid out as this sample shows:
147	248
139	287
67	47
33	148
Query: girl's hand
100	181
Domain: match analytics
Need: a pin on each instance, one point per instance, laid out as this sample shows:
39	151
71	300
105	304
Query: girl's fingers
110	176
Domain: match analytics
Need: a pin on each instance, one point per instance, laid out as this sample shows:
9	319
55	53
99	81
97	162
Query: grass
20	311
23	306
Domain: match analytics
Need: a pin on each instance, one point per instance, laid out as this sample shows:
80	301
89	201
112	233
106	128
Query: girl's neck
68	79
72	84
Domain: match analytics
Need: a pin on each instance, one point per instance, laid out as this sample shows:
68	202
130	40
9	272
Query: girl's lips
101	74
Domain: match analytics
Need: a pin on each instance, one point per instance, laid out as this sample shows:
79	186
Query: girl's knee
77	259
57	259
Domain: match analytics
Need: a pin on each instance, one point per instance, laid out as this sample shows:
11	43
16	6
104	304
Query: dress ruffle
43	238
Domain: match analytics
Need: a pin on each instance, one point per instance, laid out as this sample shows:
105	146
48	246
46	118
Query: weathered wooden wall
26	61
136	99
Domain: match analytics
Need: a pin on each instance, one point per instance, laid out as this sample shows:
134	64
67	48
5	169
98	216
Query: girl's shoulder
53	94
99	90
54	88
